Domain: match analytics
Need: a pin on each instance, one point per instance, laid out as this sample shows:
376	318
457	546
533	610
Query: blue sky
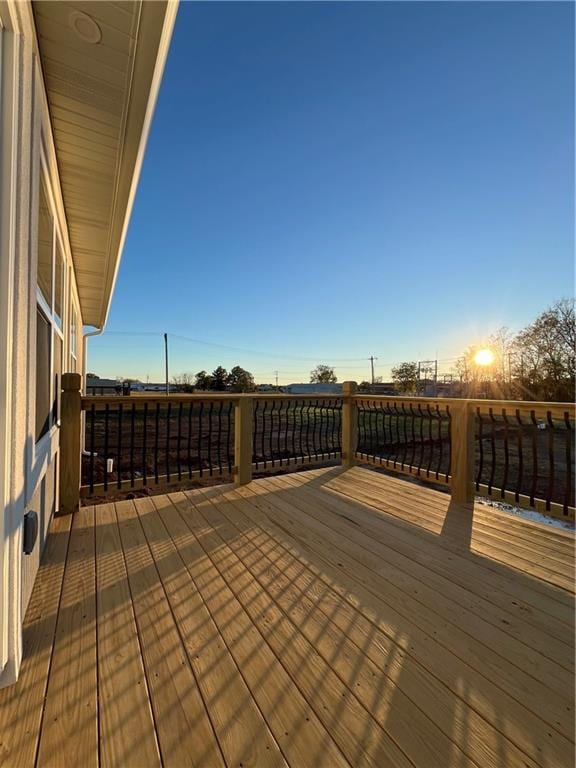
326	181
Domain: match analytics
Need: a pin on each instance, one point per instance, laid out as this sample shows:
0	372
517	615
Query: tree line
537	363
238	379
220	380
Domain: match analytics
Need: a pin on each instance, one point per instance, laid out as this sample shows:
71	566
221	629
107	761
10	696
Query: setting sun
484	357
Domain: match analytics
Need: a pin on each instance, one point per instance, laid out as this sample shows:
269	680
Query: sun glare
484	357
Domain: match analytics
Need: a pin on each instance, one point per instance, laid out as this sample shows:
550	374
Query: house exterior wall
28	467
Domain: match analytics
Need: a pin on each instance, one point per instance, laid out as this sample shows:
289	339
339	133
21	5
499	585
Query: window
45	247
59	274
57	376
49	318
73	337
43	354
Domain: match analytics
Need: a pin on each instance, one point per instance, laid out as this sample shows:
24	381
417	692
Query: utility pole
166	358
372	358
276	375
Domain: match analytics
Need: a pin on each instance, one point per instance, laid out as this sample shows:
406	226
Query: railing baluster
220	436
314	430
369	441
430	441
189	440
272	431
293	412
404	435
308	429
300	431
132	420
397	435
210	411
228	438
119	462
568	447
278	446
492	450
179	440
381	449
481	448
421	425
92	433
255	433
448	423
506	455
323	429
534	431
518	490
106	433
550	488
264	431
168	416
144	438
200	460
440	442
156	442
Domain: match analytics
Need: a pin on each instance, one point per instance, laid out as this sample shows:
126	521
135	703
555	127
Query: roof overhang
102	64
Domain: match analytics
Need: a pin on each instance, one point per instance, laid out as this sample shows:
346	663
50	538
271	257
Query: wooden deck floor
317	619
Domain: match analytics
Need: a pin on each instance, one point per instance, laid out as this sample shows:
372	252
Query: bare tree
184	382
545	354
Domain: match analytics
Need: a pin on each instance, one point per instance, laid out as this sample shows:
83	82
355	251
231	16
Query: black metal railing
287	432
411	437
135	443
525	453
522	453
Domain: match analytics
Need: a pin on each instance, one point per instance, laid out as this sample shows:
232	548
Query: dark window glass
57	377
43	334
59	287
45	244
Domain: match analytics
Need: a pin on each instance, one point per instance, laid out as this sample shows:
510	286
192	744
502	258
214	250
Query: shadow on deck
313	619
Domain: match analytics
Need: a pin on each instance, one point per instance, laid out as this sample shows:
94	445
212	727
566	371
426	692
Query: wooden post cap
349	387
71	382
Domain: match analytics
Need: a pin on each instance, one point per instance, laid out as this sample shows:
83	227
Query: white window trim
44	449
8	143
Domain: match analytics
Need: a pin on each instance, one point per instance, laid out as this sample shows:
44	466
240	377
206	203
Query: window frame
56	322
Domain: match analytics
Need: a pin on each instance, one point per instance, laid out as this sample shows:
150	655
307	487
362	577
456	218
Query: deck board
127	731
319	618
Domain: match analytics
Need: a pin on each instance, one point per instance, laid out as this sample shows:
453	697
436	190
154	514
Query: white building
78	88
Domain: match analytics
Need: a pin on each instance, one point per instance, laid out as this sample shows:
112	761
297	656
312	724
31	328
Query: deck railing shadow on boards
517	452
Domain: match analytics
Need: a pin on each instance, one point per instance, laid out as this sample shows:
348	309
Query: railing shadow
327	614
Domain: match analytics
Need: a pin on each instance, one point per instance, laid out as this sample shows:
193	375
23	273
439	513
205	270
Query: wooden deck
316	619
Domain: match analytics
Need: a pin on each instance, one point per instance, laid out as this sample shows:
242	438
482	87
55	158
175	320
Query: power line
338	363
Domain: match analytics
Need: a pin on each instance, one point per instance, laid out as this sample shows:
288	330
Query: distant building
381	388
315	388
97	386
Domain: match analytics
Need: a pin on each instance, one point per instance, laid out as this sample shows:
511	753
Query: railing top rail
526	405
485	405
102	400
137	397
405	399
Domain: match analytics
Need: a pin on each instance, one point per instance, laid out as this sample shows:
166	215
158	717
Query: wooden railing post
70	440
349	423
462	459
243	440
